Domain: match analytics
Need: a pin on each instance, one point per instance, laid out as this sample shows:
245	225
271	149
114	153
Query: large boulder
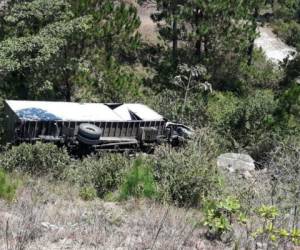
236	162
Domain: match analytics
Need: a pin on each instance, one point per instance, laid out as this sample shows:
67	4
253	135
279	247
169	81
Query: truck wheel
89	131
87	141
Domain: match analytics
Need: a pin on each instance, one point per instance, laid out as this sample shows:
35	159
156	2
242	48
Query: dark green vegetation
287	21
204	71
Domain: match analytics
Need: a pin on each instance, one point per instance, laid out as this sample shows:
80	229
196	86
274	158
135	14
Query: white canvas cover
70	111
140	110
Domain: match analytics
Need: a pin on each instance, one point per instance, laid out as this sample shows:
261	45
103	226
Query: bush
271	232
169	103
247	121
37	159
7	187
139	181
219	215
283	169
188	174
88	193
261	74
289	31
103	172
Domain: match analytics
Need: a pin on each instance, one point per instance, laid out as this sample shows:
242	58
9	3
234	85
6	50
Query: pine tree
37	52
45	42
170	20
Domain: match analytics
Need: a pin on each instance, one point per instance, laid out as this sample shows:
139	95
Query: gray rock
236	162
247	175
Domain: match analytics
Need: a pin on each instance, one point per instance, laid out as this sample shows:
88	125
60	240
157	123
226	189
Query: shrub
288	112
36	159
88	193
289	31
222	109
261	74
219	215
271	232
169	103
103	172
7	187
284	173
187	174
139	181
247	122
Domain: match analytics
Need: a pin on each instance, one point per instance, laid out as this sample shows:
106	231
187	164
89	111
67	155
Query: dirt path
275	49
148	28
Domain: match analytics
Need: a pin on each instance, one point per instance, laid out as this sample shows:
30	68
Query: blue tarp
37	114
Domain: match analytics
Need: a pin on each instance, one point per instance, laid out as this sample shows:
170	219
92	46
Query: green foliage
186	175
88	193
8	187
191	78
139	181
261	74
268	212
288	111
169	104
222	108
104	172
45	42
289	31
284	168
271	231
27	18
37	159
295	235
287	21
102	82
219	215
245	120
45	38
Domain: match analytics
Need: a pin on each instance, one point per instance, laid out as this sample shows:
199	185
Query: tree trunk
252	39
198	46
206	44
68	90
66	76
175	42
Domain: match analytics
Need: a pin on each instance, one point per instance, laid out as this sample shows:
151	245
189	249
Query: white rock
236	162
247	175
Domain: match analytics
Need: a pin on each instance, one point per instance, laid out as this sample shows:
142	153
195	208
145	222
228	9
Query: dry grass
48	216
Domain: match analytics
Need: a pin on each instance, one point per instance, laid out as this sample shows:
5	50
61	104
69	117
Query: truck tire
89	131
87	141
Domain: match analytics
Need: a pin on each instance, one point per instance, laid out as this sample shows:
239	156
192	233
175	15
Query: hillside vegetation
193	61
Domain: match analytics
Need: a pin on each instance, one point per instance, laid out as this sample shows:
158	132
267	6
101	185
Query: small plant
295	236
270	232
268	212
139	182
219	216
7	187
88	193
